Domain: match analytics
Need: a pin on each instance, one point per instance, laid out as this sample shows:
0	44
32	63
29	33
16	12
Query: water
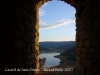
50	60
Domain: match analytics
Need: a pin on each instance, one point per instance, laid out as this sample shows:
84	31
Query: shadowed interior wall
26	36
88	37
26	54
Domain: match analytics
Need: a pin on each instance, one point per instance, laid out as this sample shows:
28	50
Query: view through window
57	43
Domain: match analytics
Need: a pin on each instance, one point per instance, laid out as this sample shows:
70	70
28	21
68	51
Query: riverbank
64	63
62	58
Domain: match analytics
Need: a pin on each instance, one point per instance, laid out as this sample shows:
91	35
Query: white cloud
74	12
41	12
56	24
42	23
45	4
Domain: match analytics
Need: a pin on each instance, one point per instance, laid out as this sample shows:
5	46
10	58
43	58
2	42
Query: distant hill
67	46
42	48
57	45
70	54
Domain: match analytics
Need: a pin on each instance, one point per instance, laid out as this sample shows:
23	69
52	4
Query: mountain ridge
57	45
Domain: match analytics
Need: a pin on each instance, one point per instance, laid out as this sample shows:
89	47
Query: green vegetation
73	58
42	48
58	45
70	54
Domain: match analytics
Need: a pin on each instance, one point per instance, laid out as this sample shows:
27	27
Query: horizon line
56	41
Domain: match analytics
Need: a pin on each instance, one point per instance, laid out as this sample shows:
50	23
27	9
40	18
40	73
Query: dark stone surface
25	46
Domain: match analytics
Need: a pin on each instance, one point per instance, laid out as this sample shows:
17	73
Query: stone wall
26	54
26	36
88	37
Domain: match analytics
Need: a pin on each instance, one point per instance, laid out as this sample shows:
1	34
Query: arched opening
25	53
57	34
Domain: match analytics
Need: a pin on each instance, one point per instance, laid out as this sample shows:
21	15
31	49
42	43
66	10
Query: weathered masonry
26	35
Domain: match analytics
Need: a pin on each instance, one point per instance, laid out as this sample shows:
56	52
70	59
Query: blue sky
57	21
